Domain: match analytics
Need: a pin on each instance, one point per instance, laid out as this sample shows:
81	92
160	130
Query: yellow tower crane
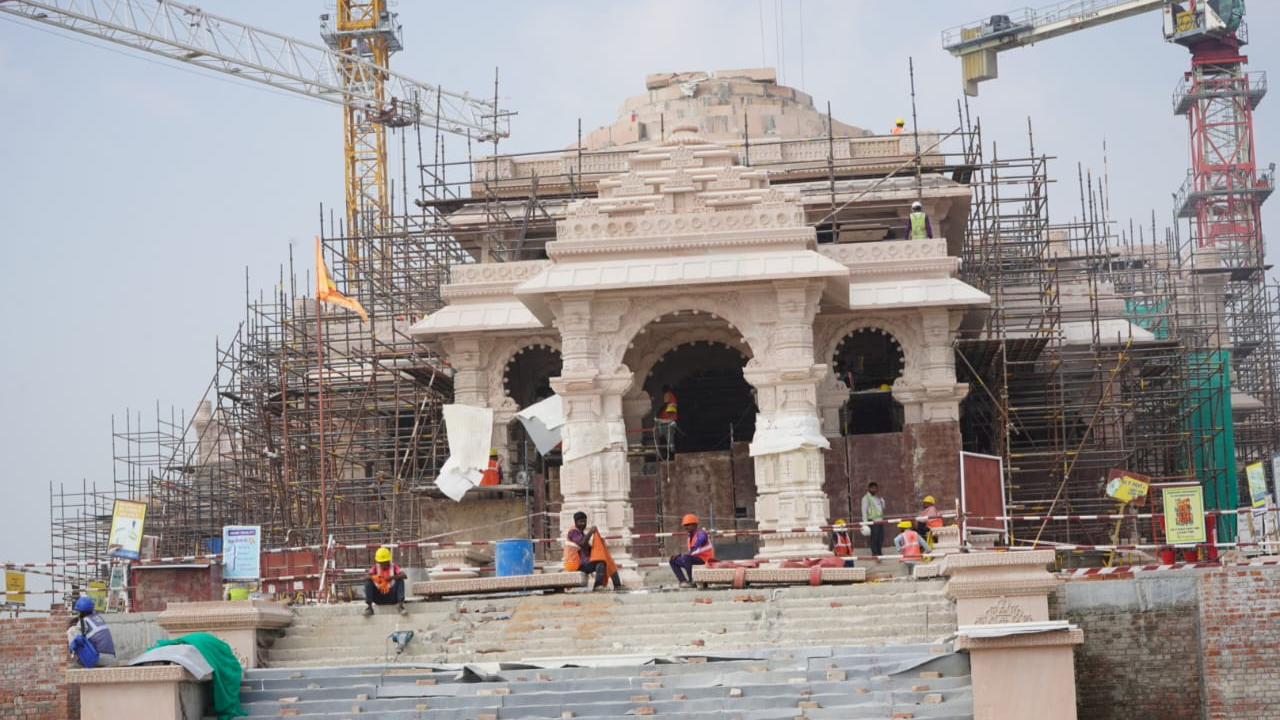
352	71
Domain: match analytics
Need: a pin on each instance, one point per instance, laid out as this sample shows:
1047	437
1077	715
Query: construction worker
593	555
493	474
664	426
872	515
918	225
698	551
841	543
384	583
899	127
929	518
87	631
911	546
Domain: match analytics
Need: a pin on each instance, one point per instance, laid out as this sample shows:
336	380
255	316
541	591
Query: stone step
772	686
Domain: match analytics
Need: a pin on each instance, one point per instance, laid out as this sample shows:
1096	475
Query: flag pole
324	489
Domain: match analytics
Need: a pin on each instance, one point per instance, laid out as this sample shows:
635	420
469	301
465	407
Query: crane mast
364	31
351	72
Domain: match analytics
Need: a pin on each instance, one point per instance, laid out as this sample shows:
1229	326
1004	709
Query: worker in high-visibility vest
918	225
698	551
841	543
899	127
929	518
911	546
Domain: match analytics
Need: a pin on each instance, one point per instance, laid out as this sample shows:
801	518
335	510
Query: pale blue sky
135	191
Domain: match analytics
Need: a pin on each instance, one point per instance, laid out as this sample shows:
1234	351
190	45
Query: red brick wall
33	661
1137	664
1185	645
155	588
1239	633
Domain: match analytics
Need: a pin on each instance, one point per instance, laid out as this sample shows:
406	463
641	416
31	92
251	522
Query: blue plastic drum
513	557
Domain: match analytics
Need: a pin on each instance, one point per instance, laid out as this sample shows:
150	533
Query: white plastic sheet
469	429
543	421
787	433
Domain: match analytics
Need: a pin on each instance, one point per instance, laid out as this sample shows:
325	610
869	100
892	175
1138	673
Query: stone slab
790	576
432	589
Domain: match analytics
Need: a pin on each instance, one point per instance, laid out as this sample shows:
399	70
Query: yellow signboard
126	529
1126	486
15	587
1184	515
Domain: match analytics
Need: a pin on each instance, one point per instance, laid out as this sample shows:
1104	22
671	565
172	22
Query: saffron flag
326	291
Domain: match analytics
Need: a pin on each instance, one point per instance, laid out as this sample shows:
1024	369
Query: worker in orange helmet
698	551
492	475
899	127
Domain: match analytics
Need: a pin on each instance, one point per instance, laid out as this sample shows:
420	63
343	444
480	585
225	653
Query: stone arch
528	382
867	363
906	334
726	306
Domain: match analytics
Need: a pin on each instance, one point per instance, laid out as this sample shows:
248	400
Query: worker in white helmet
918	225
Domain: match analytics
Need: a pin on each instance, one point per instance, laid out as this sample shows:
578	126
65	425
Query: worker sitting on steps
918	225
587	553
698	551
384	584
899	127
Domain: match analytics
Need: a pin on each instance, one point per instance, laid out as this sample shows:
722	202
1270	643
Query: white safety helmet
917	206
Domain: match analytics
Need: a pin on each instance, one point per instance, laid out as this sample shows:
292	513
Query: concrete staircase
908	681
654	622
873	650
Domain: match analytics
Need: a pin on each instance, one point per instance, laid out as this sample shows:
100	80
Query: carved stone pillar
788	443
930	392
1021	664
595	477
470	376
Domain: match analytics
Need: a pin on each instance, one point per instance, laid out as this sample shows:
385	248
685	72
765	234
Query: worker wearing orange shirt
899	127
493	474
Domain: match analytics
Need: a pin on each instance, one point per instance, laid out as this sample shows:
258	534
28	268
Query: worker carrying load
918	225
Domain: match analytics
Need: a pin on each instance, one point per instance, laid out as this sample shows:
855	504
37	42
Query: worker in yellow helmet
492	474
929	518
899	127
841	543
910	544
384	583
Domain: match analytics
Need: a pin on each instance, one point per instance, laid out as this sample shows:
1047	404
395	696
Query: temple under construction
1066	349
